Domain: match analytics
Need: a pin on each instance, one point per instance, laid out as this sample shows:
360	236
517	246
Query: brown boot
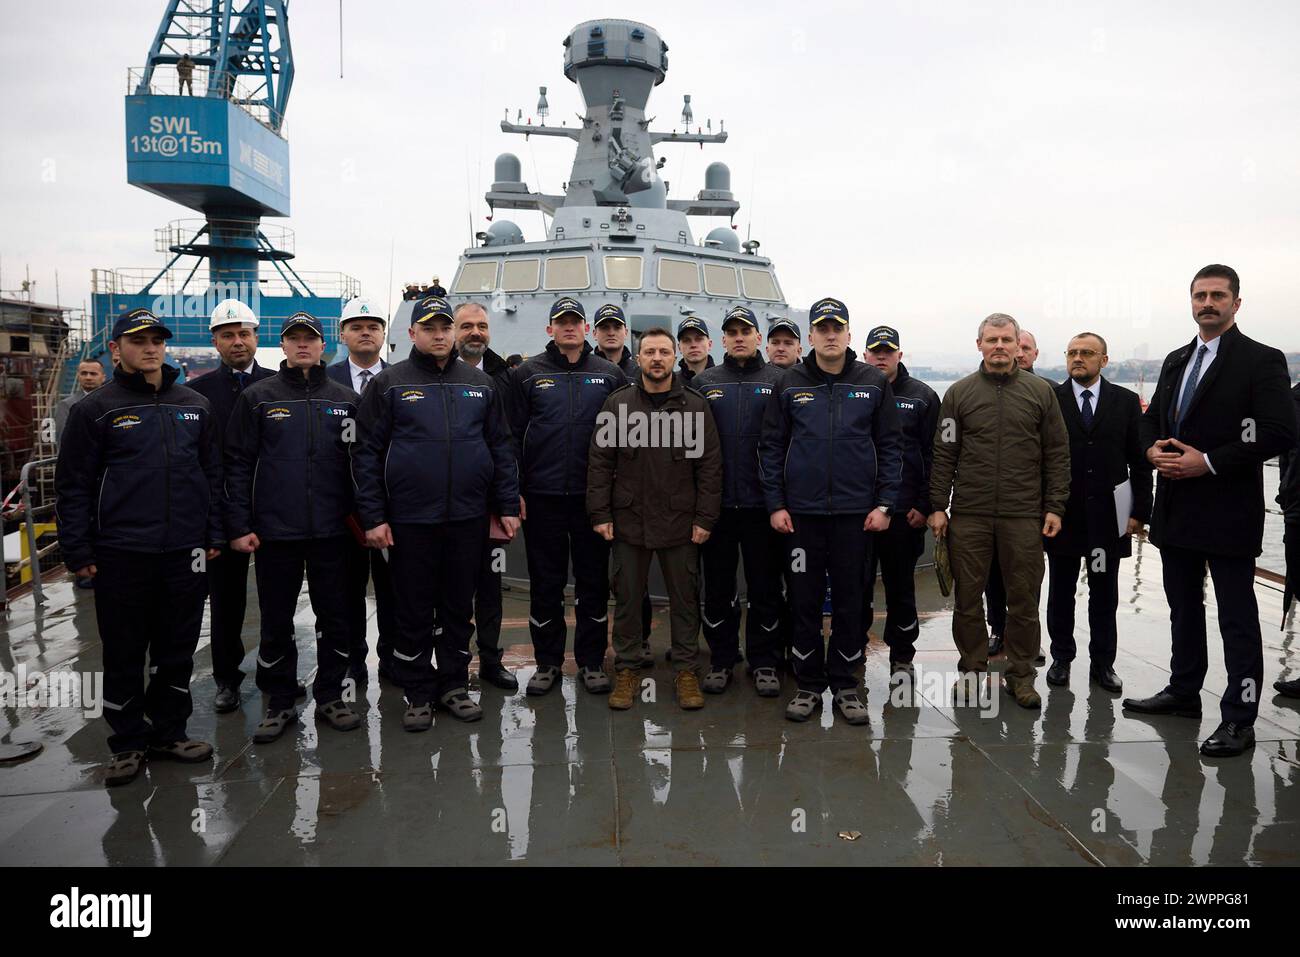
689	695
625	686
1023	691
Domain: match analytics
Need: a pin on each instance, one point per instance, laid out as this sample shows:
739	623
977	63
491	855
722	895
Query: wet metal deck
562	780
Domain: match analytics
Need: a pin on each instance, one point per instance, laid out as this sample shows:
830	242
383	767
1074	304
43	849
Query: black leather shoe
301	692
995	645
1059	674
227	699
1229	741
1106	679
1165	703
1040	658
1288	689
494	674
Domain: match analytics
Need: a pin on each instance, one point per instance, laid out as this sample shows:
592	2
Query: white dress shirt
1094	388
1213	346
355	371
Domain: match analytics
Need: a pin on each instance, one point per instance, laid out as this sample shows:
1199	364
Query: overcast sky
927	162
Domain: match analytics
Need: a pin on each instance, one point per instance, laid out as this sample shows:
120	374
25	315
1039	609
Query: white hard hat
232	310
361	308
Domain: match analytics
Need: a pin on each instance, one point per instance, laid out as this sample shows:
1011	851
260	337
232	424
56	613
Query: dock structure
563	780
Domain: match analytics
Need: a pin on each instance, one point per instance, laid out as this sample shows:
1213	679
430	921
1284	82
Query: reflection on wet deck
562	780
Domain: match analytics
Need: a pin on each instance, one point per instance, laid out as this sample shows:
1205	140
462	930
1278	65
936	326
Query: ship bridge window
623	272
567	272
760	284
476	277
721	281
679	275
520	275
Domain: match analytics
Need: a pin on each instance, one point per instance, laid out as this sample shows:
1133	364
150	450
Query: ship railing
164	81
28	514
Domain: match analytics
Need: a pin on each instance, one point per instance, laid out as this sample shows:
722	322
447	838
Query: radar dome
725	237
504	233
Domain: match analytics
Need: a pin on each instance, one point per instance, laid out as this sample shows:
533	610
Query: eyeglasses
1081	353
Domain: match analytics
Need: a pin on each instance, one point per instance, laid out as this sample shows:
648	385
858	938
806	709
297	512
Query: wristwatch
885	509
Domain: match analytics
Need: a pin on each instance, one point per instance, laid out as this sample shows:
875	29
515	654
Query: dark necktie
1087	408
365	380
242	378
1189	390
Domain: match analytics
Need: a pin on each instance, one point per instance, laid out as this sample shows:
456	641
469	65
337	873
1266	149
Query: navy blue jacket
553	411
738	394
138	470
626	362
434	445
221	388
831	445
341	373
918	416
288	462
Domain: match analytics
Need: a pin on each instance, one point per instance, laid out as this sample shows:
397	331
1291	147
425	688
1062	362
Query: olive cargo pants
972	541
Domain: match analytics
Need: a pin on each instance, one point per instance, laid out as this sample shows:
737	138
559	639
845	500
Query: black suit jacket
1240	416
1107	455
341	372
221	389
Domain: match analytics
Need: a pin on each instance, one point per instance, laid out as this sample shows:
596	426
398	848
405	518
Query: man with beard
473	335
655	490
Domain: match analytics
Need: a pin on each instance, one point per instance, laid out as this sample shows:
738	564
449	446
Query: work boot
1288	689
1022	689
274	724
850	706
594	680
716	681
338	716
624	694
766	682
543	679
802	706
688	691
461	705
124	768
966	692
418	717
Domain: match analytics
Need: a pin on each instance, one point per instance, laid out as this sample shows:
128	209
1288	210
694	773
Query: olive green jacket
1000	448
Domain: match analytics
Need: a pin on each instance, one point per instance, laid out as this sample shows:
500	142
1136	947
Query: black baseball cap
692	323
139	320
828	308
784	324
305	320
609	313
430	307
883	336
740	314
567	304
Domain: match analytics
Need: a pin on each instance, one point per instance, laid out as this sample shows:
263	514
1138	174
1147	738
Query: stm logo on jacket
434	445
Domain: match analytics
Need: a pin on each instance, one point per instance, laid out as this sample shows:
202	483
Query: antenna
392	253
543	108
340	39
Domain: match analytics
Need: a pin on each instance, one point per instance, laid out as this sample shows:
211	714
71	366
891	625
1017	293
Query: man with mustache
473	334
1002	461
1221	408
361	331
